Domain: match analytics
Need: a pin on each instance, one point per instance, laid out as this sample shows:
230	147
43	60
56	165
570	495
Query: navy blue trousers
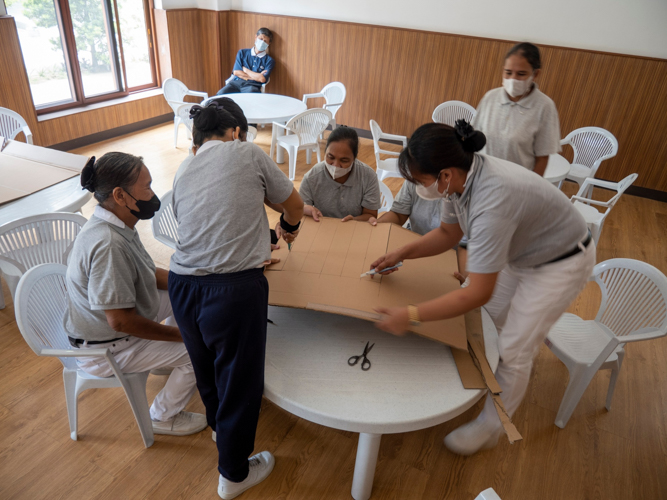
236	87
222	318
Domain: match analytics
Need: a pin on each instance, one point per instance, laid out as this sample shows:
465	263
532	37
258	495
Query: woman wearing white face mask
526	265
341	186
519	121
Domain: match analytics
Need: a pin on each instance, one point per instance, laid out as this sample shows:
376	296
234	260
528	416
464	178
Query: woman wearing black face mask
118	298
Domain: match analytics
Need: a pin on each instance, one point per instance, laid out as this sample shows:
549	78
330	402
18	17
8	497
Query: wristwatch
413	315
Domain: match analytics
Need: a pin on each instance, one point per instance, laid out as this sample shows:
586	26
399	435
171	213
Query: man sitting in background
252	67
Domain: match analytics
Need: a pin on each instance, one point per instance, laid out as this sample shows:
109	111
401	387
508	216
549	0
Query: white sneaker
214	436
181	424
261	466
472	437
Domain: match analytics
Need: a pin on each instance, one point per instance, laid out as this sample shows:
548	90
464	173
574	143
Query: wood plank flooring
621	454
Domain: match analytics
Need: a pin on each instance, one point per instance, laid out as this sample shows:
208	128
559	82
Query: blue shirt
246	58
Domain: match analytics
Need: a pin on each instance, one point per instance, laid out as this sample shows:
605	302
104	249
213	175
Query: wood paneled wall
15	94
398	76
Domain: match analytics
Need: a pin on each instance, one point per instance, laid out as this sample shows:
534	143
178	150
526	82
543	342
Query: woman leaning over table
526	266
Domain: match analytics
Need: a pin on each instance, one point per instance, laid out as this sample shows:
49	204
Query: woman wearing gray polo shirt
519	121
526	264
341	186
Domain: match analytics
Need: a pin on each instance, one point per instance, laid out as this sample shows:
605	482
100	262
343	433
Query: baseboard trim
87	140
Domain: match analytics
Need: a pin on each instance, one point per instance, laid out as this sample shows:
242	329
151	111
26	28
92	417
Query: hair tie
88	175
194	111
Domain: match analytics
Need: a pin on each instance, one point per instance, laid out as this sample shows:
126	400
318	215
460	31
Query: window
77	52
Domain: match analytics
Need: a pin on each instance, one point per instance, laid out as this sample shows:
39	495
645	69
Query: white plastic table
413	382
267	108
557	169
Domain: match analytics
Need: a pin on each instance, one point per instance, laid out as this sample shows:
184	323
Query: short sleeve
268	67
404	199
481	107
547	139
277	187
371	198
111	279
448	213
238	64
305	191
489	239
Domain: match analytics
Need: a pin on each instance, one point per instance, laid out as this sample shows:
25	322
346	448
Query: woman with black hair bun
520	122
529	255
217	285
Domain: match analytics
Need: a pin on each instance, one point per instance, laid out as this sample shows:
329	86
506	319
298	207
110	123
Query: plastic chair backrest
634	298
591	146
164	224
174	90
450	111
39	239
183	112
309	125
334	93
41	304
619	187
376	132
387	198
252	134
11	123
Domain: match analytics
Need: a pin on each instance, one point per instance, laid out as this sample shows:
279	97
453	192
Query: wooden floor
620	454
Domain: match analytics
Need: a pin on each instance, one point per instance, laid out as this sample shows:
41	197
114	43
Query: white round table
267	108
412	384
557	169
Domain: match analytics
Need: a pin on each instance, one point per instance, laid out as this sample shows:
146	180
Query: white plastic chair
40	308
387	198
489	493
174	92
450	111
34	240
12	124
164	224
388	167
303	132
334	94
591	145
633	308
252	134
583	202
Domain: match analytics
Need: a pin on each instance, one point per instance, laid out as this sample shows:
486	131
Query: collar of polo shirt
254	53
526	102
111	218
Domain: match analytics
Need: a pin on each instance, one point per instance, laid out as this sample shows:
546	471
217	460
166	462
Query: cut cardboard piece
26	169
323	267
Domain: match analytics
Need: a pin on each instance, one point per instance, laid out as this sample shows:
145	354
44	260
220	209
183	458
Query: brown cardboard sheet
322	271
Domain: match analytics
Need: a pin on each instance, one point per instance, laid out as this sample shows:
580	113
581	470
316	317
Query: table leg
280	152
364	467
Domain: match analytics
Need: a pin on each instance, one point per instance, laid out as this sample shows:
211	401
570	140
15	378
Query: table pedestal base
364	467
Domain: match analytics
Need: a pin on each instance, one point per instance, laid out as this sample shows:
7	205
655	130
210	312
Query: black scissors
365	364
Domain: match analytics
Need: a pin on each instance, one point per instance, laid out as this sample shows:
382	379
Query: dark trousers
222	318
239	86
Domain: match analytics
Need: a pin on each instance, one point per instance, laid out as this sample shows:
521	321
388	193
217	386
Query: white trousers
139	355
525	305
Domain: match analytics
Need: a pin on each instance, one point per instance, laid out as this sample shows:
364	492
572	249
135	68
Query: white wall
637	27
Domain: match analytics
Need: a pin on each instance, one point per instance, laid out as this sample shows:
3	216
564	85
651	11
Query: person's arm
389	217
366	214
434	242
451	305
258	77
241	74
162	278
541	165
293	210
128	321
277	207
238	69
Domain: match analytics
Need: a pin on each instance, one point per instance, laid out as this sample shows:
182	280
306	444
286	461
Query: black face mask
147	208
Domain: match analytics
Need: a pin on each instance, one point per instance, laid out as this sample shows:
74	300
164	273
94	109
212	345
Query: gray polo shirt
360	190
424	214
219	206
512	216
518	131
108	268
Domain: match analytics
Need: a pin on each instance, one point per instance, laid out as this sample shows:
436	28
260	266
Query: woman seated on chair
423	215
341	186
118	297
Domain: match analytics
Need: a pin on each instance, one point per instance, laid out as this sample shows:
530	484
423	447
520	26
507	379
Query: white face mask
431	192
517	88
337	172
261	45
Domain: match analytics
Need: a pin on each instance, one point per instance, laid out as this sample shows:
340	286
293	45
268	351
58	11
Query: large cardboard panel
46	156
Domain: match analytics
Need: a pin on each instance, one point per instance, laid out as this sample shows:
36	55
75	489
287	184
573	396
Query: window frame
73	68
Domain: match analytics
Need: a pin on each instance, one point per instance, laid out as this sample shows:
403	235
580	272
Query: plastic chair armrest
195	93
276	124
311	96
28	133
392	153
333	104
653	334
613	186
393	137
590	202
74	353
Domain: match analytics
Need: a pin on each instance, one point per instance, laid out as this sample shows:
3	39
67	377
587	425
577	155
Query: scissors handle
353	360
365	364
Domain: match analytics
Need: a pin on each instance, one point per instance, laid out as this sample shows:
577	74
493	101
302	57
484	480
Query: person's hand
288	237
387	260
316	214
373	221
460	277
395	320
347	218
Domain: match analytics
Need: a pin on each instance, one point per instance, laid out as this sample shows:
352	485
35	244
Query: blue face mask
261	45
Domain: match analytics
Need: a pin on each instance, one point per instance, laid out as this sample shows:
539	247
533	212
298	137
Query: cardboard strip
471	377
511	431
344	311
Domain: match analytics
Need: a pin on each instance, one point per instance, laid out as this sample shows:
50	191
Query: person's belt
78	342
575	251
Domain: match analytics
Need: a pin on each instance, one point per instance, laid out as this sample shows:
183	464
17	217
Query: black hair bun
88	175
206	119
472	140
